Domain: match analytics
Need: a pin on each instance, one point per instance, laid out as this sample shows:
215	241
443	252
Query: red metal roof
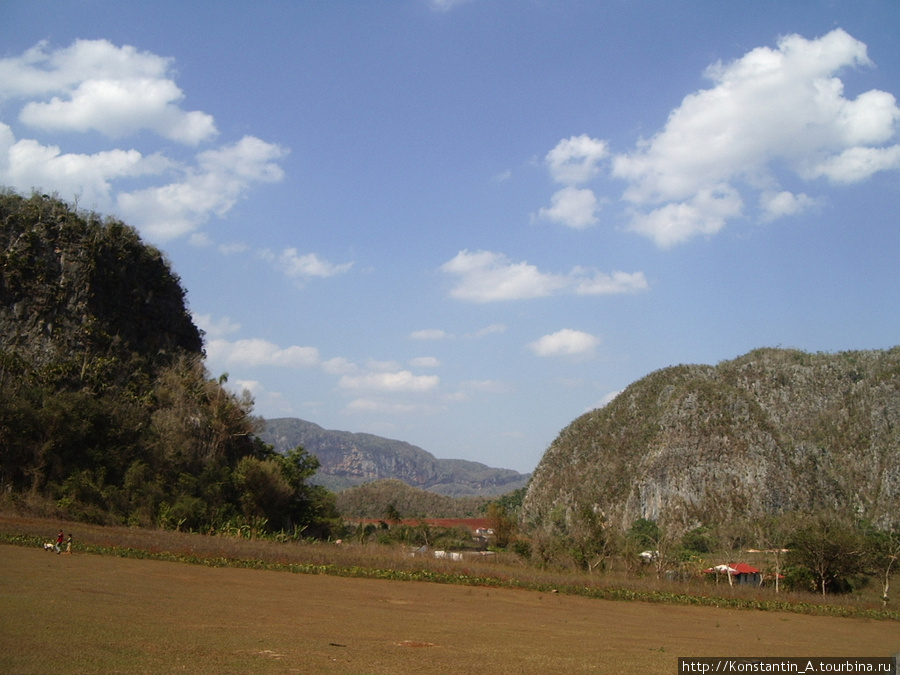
739	568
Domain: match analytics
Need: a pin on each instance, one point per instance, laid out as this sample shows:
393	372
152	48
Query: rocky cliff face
349	459
73	284
772	431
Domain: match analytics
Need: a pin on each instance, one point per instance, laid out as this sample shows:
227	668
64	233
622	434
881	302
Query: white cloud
574	160
339	366
856	164
259	352
587	282
485	276
26	163
308	265
97	86
401	381
220	179
705	213
429	334
425	362
783	106
566	342
573	207
775	205
94	85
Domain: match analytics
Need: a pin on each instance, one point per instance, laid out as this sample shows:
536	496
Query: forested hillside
108	413
775	431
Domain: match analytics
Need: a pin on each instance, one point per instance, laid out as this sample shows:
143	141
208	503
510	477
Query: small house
739	573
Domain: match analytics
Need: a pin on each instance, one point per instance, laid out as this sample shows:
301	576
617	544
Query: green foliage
699	540
831	550
645	534
108	410
511	502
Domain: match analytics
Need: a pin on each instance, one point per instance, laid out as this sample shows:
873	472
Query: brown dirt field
91	614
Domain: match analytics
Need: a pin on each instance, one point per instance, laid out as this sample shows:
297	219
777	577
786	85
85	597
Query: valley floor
94	613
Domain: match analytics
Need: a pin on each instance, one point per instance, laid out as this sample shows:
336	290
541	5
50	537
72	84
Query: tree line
824	553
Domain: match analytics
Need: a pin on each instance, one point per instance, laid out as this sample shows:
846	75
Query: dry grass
89	613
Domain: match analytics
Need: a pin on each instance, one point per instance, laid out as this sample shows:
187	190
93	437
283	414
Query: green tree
502	523
831	549
882	551
645	534
392	514
266	493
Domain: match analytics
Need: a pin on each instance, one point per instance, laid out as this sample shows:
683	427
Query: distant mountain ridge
349	459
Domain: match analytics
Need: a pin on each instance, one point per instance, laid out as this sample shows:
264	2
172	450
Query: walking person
59	542
69	544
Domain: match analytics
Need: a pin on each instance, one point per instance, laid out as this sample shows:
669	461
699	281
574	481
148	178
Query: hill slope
349	459
107	412
774	430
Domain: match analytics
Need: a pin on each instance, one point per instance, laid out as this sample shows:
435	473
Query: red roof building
740	573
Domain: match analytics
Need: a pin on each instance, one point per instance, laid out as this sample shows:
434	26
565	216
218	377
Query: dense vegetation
108	413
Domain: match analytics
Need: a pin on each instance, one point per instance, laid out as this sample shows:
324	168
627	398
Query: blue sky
464	223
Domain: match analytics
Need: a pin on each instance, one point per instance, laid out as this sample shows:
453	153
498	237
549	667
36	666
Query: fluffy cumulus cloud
27	163
783	106
572	206
93	85
567	343
485	276
573	162
121	92
220	178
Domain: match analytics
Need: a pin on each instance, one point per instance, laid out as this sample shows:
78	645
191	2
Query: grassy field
89	613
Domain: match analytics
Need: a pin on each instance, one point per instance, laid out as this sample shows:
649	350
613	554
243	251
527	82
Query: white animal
49	547
648	557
